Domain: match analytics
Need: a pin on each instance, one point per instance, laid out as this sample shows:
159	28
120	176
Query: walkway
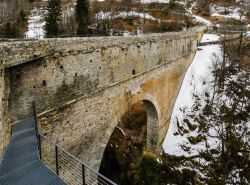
21	164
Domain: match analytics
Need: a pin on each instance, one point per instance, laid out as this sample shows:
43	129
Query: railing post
39	146
84	172
57	166
83	175
36	128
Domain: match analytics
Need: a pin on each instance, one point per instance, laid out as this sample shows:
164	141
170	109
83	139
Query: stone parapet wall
85	125
59	72
5	131
18	52
81	66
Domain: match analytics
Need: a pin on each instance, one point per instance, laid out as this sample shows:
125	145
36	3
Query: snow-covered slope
214	95
198	75
233	12
198	18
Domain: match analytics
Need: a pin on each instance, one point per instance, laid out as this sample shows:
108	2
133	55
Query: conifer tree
53	19
22	20
82	16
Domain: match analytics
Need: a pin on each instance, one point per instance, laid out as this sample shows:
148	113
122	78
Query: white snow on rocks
210	38
108	15
232	12
148	1
198	18
202	20
154	1
36	24
248	34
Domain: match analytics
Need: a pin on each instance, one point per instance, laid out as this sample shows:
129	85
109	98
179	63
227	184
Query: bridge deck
21	164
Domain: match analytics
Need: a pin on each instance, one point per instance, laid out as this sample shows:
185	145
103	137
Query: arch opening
134	133
152	126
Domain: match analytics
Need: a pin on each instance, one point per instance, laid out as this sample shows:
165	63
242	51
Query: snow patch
108	15
232	12
154	1
210	38
198	18
36	24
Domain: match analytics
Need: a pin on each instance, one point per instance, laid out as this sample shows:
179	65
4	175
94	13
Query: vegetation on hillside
113	17
13	18
53	18
82	16
220	118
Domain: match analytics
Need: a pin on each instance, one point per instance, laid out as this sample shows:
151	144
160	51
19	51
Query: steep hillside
110	17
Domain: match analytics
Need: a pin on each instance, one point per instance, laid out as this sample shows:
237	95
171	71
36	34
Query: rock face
83	86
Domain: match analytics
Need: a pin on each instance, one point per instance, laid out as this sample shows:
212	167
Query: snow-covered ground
248	34
202	20
233	12
142	15
210	38
154	1
197	87
36	24
196	81
149	1
108	15
198	18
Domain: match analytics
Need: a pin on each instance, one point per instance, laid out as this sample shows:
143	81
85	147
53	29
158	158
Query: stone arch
153	115
153	122
152	126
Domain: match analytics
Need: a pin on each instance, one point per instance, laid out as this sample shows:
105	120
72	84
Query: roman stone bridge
83	86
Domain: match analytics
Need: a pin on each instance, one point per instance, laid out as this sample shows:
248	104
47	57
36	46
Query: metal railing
69	168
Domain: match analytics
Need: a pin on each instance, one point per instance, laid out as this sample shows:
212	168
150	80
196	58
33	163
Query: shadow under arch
137	131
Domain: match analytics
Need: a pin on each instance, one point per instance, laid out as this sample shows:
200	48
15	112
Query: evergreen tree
54	18
22	20
82	16
10	30
172	4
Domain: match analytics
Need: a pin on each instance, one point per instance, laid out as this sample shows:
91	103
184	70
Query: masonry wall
4	121
70	79
2	130
85	126
52	80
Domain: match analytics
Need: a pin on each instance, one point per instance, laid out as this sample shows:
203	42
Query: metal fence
68	167
71	169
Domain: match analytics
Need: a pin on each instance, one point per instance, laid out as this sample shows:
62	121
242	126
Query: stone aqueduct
82	86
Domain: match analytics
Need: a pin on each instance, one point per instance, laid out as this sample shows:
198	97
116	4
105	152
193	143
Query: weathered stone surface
4	121
87	122
82	86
